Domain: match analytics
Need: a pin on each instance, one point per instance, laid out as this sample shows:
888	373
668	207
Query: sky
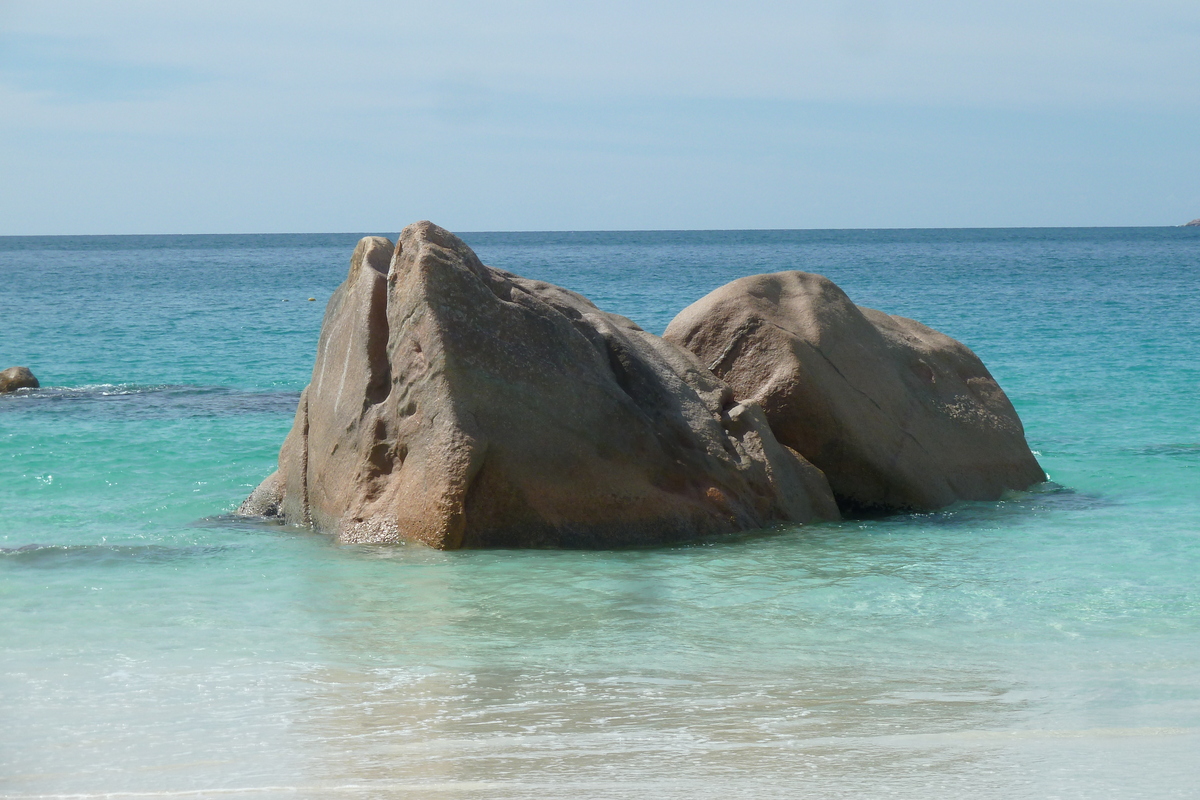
227	117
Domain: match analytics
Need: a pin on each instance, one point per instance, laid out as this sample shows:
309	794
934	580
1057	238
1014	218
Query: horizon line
610	230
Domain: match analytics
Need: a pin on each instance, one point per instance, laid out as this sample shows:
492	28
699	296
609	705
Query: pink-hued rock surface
458	405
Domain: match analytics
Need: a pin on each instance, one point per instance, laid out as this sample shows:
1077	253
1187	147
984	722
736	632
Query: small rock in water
15	378
1193	224
266	500
312	299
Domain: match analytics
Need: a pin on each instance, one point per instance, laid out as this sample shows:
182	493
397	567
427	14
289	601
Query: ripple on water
1174	450
167	401
99	555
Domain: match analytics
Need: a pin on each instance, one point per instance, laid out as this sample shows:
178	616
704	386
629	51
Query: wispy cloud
616	114
77	70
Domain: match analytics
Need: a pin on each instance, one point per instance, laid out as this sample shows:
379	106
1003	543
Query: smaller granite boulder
266	500
15	378
899	416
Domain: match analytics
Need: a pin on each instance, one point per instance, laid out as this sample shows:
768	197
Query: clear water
1043	646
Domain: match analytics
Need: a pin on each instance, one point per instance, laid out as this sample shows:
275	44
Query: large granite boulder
458	405
898	416
15	378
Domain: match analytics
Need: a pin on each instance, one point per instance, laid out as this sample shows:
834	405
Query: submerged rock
15	378
897	415
463	406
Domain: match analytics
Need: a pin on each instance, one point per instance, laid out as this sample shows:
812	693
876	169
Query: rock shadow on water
1038	500
1042	498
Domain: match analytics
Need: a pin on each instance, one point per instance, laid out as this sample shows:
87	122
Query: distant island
1193	224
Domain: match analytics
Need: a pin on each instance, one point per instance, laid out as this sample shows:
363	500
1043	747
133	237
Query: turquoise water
1047	645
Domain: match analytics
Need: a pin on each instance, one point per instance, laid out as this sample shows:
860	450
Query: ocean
1043	646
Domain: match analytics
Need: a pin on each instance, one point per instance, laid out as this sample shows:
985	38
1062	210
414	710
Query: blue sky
150	117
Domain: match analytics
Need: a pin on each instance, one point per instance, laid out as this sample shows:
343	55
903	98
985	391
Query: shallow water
1047	645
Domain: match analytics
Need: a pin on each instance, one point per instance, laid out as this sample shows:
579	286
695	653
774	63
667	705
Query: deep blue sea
1043	646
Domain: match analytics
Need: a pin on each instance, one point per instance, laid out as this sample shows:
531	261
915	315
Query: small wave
55	555
161	400
239	522
1184	449
92	390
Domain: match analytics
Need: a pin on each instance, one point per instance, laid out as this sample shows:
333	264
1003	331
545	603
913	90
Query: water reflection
678	672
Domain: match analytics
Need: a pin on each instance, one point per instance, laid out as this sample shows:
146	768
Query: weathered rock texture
1193	224
899	416
15	378
462	406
